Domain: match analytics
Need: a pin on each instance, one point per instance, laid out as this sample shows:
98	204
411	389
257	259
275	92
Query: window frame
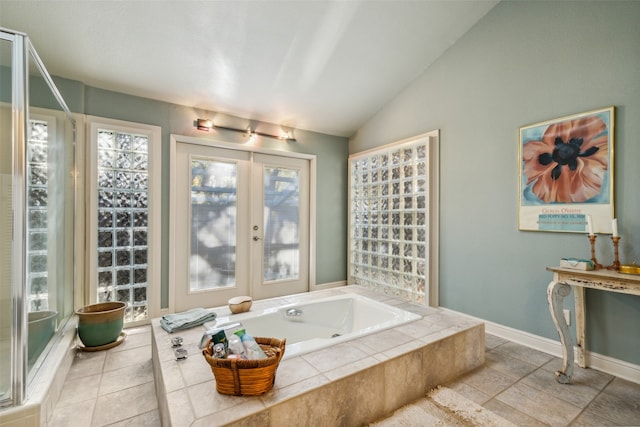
154	236
431	141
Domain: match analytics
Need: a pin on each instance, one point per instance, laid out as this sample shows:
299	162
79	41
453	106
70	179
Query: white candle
614	227
589	225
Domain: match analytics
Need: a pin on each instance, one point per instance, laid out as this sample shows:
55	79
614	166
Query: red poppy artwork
566	172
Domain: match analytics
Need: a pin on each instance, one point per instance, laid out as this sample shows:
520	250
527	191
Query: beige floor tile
119	406
619	402
511	414
575	393
539	405
121	359
148	419
123	378
86	364
77	414
508	365
79	390
491	341
584	376
589	418
134	340
469	392
526	354
509	384
487	380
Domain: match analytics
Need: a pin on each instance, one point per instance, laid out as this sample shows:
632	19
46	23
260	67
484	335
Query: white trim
174	139
329	285
600	362
154	210
432	142
239	147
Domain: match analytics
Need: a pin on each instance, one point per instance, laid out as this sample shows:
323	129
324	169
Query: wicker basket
247	377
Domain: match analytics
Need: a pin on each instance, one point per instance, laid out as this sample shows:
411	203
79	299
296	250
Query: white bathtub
322	322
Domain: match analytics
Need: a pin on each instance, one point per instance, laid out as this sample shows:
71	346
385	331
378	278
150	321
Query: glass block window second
37	215
123	184
389	220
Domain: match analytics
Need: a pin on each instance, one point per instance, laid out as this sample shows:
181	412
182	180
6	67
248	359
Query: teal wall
525	62
331	153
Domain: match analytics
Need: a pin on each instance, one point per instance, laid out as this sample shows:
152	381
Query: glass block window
122	220
389	218
37	205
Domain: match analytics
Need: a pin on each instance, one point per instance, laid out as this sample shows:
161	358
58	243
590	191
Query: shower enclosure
37	203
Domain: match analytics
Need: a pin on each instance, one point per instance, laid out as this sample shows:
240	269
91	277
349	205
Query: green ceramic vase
100	324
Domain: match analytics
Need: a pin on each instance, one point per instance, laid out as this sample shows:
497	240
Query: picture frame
566	174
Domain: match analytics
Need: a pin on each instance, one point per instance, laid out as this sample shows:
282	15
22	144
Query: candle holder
592	240
616	261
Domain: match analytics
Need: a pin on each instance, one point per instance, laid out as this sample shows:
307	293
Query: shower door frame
21	51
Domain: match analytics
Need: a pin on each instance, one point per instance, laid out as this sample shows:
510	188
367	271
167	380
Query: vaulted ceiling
324	66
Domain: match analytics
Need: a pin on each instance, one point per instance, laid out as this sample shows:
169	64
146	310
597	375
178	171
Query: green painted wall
331	153
525	62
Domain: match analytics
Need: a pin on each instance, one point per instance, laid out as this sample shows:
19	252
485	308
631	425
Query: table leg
581	339
556	292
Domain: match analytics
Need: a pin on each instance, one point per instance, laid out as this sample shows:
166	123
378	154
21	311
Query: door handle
256	238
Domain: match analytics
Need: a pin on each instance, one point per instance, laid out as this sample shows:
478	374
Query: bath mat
443	407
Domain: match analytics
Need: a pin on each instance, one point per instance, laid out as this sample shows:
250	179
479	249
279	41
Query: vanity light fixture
206	125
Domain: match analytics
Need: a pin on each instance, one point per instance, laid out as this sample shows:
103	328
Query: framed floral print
566	174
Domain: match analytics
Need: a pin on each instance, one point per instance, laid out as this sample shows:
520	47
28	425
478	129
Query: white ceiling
325	66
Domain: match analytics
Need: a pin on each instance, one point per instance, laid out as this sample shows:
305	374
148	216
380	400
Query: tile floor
516	383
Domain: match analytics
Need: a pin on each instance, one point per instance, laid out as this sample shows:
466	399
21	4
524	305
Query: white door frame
175	139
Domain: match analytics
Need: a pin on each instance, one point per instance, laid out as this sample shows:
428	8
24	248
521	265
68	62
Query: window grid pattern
388	221
37	205
123	193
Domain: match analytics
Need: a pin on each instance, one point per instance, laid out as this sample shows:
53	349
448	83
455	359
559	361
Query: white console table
563	281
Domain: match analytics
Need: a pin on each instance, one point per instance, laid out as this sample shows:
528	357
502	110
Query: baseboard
607	364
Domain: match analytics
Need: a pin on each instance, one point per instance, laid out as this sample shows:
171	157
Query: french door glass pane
123	220
213	224
281	225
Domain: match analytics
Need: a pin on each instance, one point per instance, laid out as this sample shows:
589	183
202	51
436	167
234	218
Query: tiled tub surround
351	383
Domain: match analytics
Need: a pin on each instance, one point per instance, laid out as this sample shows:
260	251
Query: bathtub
312	325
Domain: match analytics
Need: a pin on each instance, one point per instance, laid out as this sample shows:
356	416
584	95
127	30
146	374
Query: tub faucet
294	312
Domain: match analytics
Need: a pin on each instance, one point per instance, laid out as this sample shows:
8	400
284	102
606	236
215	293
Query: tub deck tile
389	368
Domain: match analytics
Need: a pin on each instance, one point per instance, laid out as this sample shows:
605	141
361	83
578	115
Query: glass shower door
6	223
49	175
37	203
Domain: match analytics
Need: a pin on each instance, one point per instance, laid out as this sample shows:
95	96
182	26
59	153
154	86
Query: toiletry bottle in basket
253	348
236	347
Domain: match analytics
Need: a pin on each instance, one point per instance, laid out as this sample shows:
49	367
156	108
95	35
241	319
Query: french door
241	225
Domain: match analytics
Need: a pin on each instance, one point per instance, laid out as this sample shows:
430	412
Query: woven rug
443	407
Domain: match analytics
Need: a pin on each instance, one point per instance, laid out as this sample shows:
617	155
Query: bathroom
488	269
